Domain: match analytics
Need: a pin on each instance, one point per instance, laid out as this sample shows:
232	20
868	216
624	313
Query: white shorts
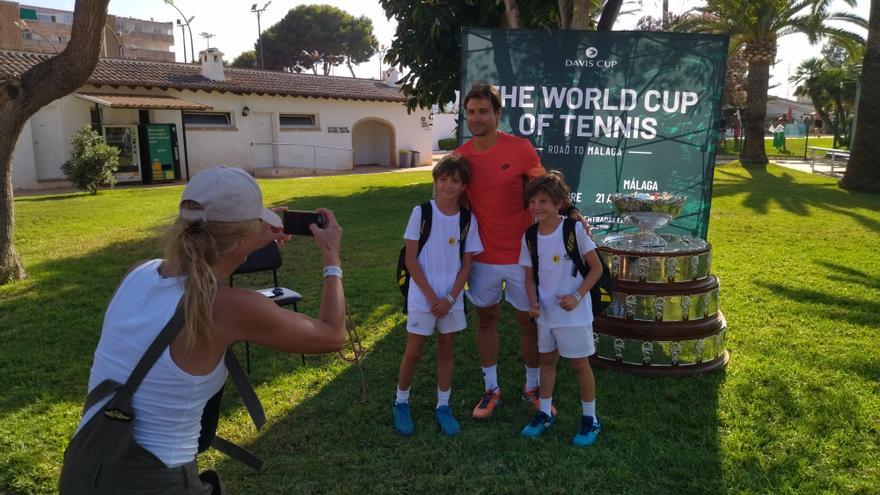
486	281
572	342
423	323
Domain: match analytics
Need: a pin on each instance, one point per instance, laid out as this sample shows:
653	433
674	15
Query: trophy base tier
663	349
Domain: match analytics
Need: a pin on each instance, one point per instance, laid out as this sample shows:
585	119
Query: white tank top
169	402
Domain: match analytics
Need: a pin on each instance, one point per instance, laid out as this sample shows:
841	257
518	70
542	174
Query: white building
172	120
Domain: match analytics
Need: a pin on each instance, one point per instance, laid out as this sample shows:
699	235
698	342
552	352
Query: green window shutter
28	14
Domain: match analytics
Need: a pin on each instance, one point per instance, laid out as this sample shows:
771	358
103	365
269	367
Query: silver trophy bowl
648	211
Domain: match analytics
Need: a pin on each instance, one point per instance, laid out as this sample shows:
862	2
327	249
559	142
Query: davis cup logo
591	52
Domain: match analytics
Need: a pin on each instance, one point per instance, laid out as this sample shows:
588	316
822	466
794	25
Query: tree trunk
756	113
566	13
609	15
350	68
581	16
863	170
511	15
23	96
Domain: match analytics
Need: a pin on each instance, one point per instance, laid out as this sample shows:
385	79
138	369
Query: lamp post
382	50
186	21
20	24
257	11
182	36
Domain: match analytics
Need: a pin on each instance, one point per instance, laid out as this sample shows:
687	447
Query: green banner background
582	78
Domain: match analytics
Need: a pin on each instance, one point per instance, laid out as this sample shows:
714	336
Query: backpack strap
166	335
211	415
425	224
532	246
464	225
571	247
600	293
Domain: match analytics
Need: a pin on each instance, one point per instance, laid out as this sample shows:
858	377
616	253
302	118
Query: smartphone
297	222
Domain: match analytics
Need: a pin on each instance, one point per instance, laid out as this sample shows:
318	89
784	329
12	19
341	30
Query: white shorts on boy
487	280
572	342
422	323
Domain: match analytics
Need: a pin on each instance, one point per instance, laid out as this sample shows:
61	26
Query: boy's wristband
577	295
450	299
332	271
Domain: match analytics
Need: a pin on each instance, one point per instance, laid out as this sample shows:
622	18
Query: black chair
264	259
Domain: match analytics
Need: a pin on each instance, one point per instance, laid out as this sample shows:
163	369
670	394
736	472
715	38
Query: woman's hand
328	238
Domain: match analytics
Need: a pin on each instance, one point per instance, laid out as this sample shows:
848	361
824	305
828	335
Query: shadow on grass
659	435
762	186
50	327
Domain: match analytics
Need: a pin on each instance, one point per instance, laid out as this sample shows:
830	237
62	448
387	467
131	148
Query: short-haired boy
438	274
561	304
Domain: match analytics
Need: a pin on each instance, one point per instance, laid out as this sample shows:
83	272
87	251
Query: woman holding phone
221	220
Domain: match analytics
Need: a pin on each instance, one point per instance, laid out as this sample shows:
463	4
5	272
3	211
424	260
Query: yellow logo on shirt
556	258
451	241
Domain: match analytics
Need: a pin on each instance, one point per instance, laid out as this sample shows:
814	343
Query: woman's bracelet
332	271
577	295
450	299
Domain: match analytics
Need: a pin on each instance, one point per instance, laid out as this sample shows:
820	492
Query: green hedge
448	144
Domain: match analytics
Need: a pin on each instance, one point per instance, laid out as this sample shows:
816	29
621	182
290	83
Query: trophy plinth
663	318
648	211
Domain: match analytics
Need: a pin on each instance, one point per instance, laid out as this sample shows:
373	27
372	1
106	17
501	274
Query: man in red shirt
500	166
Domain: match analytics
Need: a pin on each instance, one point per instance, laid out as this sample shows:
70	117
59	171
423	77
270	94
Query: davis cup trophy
663	318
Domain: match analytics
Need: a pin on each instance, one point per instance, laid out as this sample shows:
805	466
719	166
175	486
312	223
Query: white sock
589	408
490	377
547	406
533	377
403	396
443	397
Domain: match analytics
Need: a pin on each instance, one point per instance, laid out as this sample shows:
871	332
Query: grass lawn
797	410
794	147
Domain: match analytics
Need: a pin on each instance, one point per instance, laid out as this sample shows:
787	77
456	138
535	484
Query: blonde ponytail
191	249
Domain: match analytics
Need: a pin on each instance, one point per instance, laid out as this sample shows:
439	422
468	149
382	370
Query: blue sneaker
403	422
538	425
588	433
448	424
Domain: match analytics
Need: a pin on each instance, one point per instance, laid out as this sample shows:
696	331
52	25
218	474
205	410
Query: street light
182	25
257	11
382	50
186	21
20	24
207	37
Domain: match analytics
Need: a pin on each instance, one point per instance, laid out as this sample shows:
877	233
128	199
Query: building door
261	137
48	151
372	142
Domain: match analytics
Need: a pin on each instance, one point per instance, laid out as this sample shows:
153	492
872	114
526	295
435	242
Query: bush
93	162
448	144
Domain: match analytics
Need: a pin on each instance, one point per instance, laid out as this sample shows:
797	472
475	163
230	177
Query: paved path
799	165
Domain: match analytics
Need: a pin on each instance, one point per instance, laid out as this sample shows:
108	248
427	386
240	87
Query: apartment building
30	28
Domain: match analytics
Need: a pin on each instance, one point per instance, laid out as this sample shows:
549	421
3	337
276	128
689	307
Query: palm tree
832	89
863	171
756	25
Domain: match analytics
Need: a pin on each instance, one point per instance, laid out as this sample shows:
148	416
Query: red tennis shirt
496	194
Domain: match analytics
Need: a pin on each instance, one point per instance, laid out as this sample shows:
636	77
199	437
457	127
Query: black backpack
403	276
600	294
106	441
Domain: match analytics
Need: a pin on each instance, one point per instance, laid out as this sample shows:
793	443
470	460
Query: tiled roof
163	75
161	102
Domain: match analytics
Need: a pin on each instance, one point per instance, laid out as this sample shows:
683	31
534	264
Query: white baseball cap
226	194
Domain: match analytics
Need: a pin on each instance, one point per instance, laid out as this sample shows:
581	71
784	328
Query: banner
614	111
